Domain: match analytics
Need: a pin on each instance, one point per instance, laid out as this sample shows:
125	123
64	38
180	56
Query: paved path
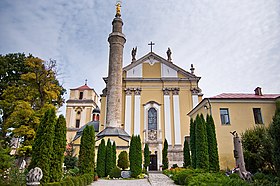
159	179
155	179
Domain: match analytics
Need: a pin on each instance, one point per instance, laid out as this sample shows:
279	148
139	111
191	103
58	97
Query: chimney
258	91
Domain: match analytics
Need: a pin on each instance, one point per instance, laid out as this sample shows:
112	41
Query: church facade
156	97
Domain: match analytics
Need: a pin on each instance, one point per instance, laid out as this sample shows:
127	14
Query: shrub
75	181
123	160
257	150
115	172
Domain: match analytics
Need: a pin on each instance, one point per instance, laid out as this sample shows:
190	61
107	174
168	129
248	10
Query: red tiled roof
84	87
245	96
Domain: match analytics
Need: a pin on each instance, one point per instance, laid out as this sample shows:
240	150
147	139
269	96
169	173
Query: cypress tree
87	148
274	131
43	145
59	144
202	158
138	155
101	159
109	158
212	144
132	158
164	155
146	156
114	153
135	156
187	159
192	142
123	160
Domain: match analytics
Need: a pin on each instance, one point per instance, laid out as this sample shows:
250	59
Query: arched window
152	119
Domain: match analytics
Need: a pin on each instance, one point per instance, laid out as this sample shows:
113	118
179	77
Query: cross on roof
151	43
86	82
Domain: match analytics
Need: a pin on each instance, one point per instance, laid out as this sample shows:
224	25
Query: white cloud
234	45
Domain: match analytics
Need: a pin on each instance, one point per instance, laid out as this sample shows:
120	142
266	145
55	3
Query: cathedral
150	97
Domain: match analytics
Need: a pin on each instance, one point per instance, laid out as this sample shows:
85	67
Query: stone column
176	111
167	116
127	123
137	106
114	85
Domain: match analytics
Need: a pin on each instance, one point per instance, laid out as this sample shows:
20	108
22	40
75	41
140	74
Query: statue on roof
169	54
133	53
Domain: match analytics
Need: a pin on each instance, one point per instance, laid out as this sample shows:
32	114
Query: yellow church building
157	95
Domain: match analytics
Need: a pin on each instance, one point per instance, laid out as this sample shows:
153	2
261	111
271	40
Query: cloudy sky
233	44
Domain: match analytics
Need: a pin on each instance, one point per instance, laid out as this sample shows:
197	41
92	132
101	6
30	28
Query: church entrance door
153	164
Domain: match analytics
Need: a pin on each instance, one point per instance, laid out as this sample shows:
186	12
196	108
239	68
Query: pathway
155	179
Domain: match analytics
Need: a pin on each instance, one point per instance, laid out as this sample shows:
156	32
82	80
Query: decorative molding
175	91
152	135
196	90
137	91
128	91
166	91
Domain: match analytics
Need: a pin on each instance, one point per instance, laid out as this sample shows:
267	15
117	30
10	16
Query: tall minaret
114	84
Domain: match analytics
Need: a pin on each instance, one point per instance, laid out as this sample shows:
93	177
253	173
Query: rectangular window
224	116
81	95
77	123
257	116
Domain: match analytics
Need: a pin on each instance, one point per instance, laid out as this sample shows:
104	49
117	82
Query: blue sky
234	45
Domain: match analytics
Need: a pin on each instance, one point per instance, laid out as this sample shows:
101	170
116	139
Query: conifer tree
212	144
109	158
135	156
187	159
164	155
274	131
123	160
114	153
43	145
192	142
101	159
146	156
59	144
87	148
132	149
202	158
138	155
